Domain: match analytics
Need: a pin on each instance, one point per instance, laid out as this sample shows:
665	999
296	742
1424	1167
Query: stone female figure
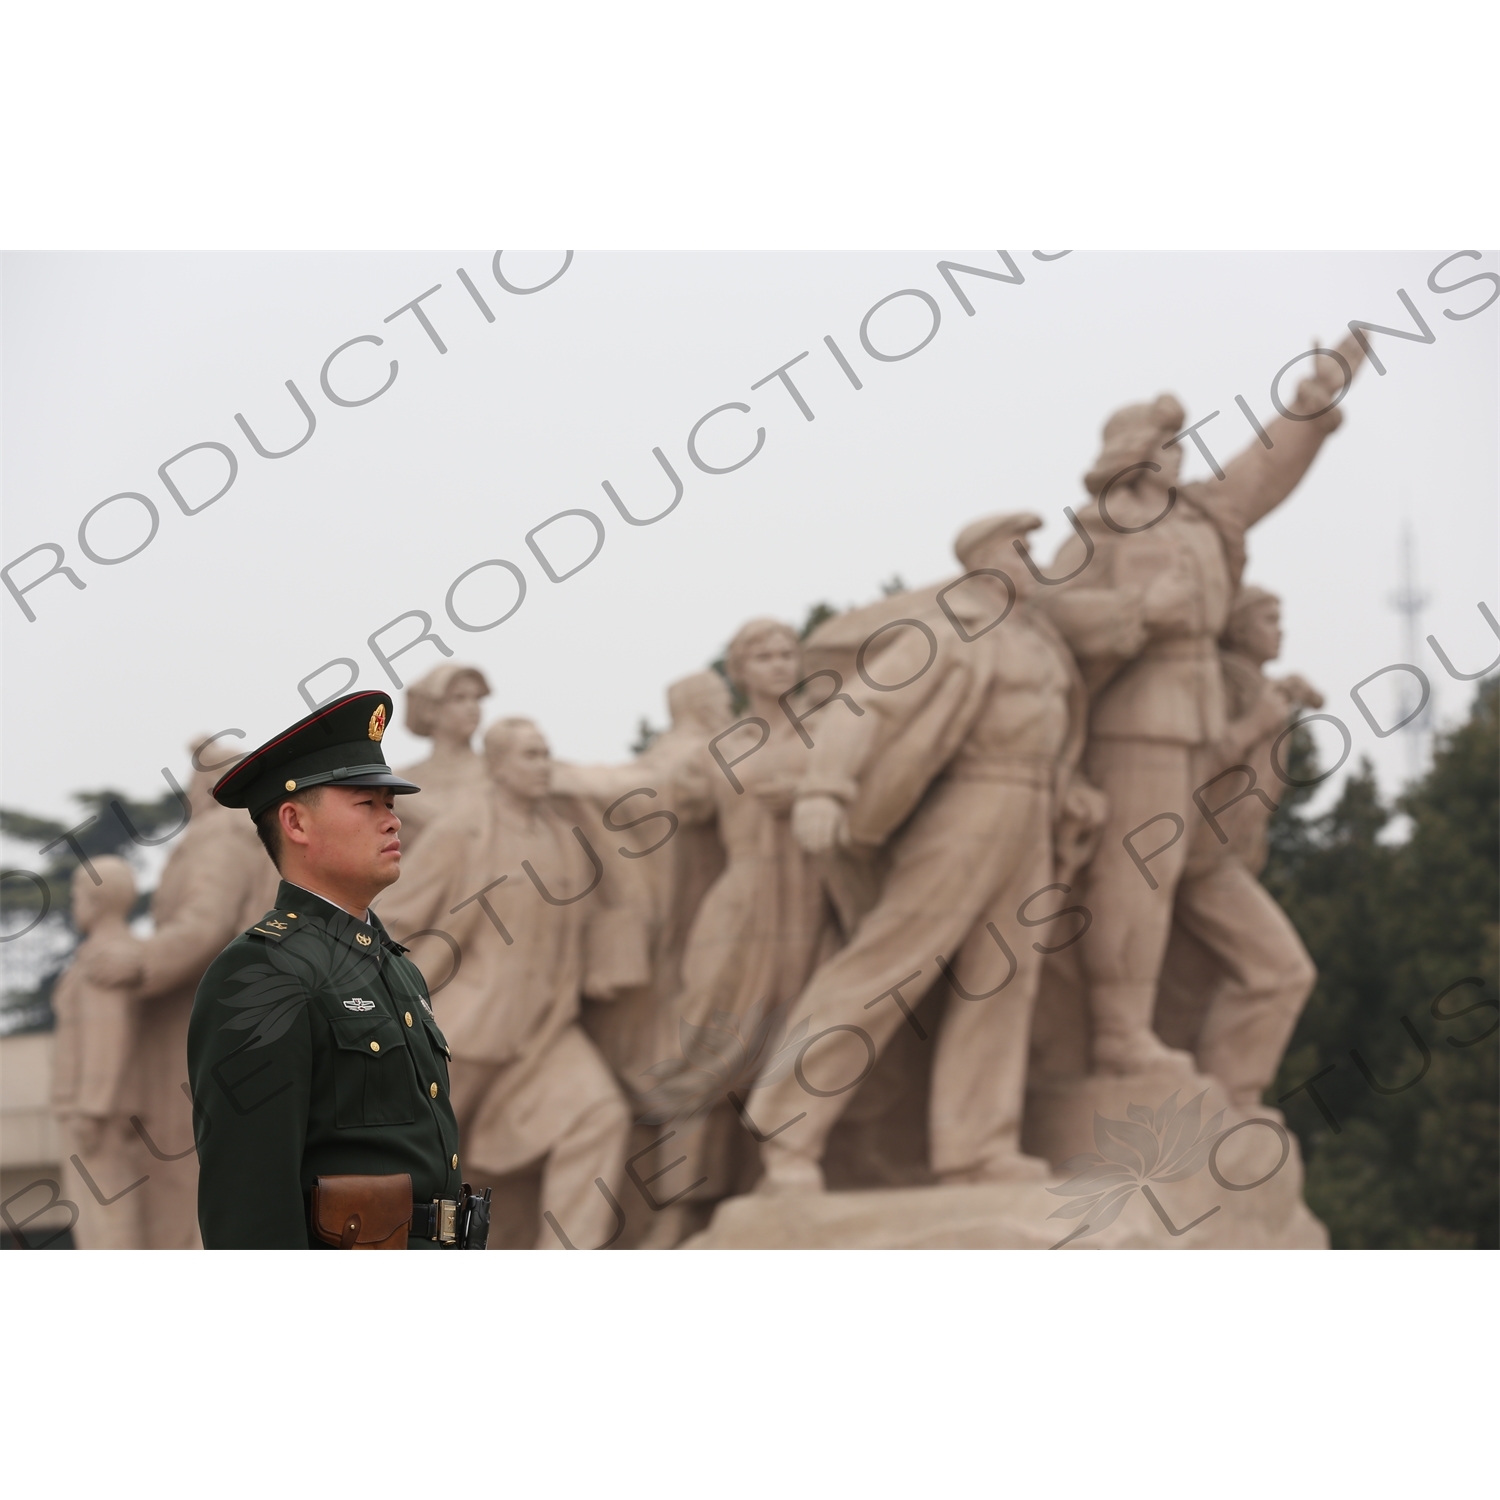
762	929
443	707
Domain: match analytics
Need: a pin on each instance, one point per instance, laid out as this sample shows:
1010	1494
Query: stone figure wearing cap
319	1073
955	747
1236	974
1181	552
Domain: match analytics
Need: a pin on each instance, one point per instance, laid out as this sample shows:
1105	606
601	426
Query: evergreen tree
38	913
1403	1151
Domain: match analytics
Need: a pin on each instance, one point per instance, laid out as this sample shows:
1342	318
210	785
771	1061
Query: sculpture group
887	906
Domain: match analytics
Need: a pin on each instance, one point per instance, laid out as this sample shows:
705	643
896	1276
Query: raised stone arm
1260	478
603	783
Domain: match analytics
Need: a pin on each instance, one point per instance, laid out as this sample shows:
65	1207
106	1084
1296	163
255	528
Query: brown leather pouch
362	1213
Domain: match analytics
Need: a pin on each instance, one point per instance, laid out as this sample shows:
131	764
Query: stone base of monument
1160	1171
1059	1121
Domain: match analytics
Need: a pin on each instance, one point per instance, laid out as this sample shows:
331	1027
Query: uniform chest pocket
372	1073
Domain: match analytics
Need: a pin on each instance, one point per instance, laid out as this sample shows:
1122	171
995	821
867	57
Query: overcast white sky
165	124
115	362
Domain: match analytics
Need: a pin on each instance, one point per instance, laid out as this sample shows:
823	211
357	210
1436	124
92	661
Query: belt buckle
447	1221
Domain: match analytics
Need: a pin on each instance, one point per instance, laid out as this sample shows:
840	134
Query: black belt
437	1220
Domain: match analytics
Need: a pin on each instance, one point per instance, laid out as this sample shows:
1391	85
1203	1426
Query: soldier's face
524	767
351	836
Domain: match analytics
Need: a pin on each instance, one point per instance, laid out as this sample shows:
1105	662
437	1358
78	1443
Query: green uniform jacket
313	1052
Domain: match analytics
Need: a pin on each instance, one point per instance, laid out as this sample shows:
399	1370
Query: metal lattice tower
1409	601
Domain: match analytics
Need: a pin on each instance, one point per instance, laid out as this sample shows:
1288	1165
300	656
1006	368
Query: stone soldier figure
512	882
1236	974
319	1073
1155	711
960	754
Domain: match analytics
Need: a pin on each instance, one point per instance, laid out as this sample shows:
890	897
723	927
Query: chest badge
363	939
358	1004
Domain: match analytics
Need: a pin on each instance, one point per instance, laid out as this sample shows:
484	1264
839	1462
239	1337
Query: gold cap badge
377	723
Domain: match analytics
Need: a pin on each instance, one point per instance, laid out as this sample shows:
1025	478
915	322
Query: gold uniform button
408	1018
454	1162
292	915
432	1089
291	786
374	1046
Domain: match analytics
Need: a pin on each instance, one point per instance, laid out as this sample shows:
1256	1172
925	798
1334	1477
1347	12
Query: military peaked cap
336	745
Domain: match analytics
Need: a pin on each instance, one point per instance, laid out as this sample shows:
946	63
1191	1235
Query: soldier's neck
345	904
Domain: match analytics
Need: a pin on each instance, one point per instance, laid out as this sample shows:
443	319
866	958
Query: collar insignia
363	939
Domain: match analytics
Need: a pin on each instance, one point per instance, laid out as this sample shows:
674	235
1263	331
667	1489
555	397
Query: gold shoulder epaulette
276	925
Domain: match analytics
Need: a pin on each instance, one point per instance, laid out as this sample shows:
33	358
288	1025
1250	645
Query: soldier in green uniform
319	1073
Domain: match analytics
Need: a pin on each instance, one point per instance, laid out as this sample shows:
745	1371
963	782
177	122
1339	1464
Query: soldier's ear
293	817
